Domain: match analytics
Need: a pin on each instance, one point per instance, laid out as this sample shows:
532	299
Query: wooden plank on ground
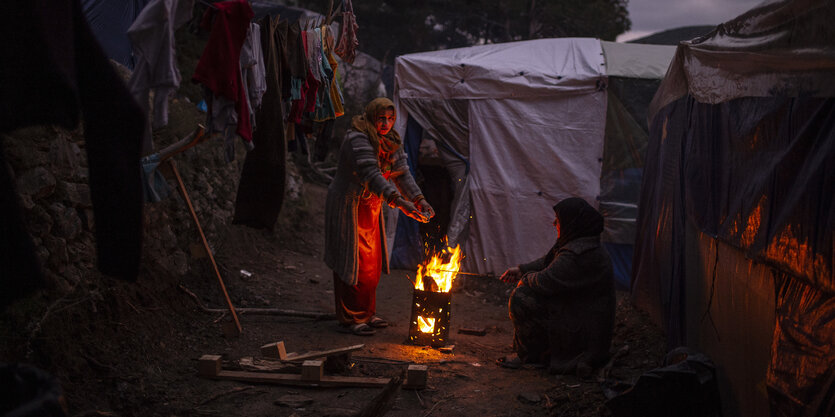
209	365
274	350
313	370
267	365
416	377
291	379
294	357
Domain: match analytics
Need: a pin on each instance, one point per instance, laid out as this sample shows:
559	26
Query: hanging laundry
307	103
314	53
285	76
348	42
219	67
296	58
252	63
335	91
261	187
297	64
324	105
152	39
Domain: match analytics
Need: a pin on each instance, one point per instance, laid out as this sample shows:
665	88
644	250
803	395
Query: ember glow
426	325
442	268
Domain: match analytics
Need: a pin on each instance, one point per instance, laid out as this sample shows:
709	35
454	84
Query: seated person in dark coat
563	307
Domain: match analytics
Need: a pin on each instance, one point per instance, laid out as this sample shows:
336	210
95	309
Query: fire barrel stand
429	324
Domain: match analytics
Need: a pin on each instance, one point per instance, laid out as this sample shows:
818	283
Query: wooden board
209	365
313	370
294	357
416	377
267	365
274	350
289	379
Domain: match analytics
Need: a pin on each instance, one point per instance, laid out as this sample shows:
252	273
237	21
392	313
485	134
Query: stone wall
50	168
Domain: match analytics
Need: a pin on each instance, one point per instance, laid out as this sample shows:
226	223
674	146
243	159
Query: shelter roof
507	70
780	48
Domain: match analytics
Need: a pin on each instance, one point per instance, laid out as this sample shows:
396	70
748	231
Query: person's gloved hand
425	208
408	208
512	275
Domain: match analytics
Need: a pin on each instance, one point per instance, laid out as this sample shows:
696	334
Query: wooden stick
382	402
330	12
292	379
227	392
292	357
206	245
193	138
433	408
410	280
385	361
261	311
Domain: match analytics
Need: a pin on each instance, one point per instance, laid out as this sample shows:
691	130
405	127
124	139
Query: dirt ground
132	349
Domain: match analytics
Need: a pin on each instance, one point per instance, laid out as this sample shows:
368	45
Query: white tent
522	125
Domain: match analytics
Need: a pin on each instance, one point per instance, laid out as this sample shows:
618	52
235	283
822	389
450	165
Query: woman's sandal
361	329
378	322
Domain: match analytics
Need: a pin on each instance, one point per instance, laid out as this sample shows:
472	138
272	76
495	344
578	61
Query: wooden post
209	365
312	370
206	245
274	350
416	377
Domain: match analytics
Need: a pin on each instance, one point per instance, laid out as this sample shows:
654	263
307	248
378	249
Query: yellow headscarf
364	123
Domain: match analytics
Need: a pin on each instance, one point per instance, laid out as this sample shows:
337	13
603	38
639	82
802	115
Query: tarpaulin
520	125
780	48
630	60
541	67
407	251
550	148
447	123
801	377
756	174
109	20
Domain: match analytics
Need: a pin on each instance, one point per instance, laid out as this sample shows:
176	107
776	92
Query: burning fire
426	325
442	268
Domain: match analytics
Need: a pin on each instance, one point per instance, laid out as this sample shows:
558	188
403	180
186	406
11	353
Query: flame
426	325
442	272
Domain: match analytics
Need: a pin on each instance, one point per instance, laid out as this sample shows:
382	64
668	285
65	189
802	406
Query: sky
650	16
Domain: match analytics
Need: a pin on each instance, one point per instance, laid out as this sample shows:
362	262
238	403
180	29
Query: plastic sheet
525	122
109	21
407	251
780	48
801	375
757	174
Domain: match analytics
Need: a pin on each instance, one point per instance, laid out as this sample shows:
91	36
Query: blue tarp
110	21
407	251
621	255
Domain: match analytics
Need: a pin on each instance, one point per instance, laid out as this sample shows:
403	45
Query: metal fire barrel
430	305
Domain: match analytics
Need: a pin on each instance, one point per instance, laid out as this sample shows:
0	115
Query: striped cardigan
358	171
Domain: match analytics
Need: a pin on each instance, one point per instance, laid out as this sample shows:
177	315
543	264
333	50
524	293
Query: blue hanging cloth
407	251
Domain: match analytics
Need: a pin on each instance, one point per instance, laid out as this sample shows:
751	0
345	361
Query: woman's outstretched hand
409	209
425	208
512	275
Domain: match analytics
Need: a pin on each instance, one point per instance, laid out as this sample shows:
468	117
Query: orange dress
358	303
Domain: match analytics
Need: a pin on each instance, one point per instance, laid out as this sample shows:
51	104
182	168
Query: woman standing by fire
372	169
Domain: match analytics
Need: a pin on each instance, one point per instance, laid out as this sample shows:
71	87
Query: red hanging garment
219	66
